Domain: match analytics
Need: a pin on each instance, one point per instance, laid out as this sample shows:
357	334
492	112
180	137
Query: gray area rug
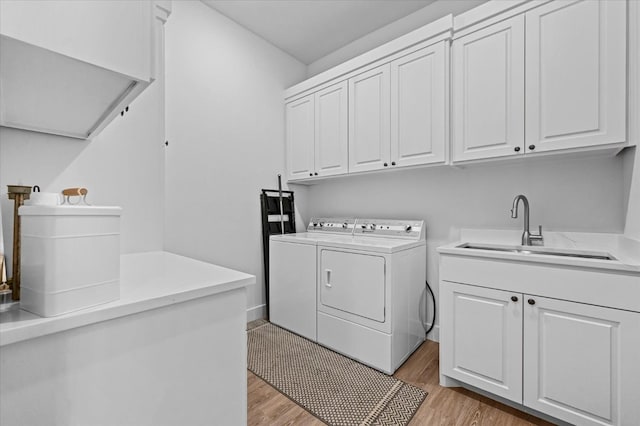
332	387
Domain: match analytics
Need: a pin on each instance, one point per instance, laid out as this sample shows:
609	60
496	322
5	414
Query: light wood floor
443	406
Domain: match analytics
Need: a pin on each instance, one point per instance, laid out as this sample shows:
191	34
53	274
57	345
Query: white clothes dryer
371	289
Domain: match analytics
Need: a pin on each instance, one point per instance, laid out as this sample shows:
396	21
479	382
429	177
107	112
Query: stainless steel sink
539	250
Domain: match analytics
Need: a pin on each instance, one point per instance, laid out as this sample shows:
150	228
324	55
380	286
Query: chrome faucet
527	237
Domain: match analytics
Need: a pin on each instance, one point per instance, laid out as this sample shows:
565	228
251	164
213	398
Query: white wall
565	194
121	166
225	126
632	156
402	26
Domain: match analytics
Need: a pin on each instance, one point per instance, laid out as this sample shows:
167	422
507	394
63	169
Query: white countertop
625	250
147	281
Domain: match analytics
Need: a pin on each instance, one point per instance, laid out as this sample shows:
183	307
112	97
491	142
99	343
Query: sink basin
539	250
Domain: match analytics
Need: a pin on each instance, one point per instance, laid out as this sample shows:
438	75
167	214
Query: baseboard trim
257	312
434	334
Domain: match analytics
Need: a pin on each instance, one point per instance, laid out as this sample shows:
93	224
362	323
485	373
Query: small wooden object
70	192
75	192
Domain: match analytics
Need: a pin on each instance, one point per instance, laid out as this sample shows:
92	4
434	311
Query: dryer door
353	283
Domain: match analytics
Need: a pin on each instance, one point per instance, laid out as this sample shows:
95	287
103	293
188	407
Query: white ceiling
310	29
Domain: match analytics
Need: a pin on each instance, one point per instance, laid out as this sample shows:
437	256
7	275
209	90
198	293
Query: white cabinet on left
317	133
69	68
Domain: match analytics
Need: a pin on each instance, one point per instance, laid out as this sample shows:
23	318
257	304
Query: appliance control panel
405	229
332	225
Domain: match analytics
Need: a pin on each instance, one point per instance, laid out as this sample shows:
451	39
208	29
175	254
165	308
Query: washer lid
303	237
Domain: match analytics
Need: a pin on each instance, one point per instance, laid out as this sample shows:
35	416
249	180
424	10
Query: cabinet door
369	114
481	338
581	362
292	287
488	92
576	74
300	137
419	86
331	149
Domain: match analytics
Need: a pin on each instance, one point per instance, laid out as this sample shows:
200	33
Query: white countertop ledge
625	250
147	281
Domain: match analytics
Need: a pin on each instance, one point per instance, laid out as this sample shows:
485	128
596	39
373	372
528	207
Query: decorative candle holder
19	194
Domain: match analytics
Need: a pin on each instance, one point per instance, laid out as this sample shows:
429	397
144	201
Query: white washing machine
354	285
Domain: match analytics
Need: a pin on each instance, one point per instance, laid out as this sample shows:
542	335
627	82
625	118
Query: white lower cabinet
481	338
577	362
574	356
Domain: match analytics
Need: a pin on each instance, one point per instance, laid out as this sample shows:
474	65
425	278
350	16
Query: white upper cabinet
69	67
576	74
419	118
552	77
384	109
331	150
317	134
300	116
369	115
488	91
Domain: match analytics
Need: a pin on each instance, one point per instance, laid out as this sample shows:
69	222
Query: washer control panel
332	225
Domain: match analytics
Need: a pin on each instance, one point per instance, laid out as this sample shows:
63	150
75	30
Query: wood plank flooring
443	406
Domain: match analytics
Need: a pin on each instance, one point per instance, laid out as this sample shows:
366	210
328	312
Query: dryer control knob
407	228
321	224
315	224
345	225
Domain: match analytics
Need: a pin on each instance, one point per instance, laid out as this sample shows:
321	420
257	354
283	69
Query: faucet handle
540	230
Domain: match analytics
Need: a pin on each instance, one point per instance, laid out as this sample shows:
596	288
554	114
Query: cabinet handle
532	147
393	163
385	164
516	149
310	174
514	298
316	173
531	302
